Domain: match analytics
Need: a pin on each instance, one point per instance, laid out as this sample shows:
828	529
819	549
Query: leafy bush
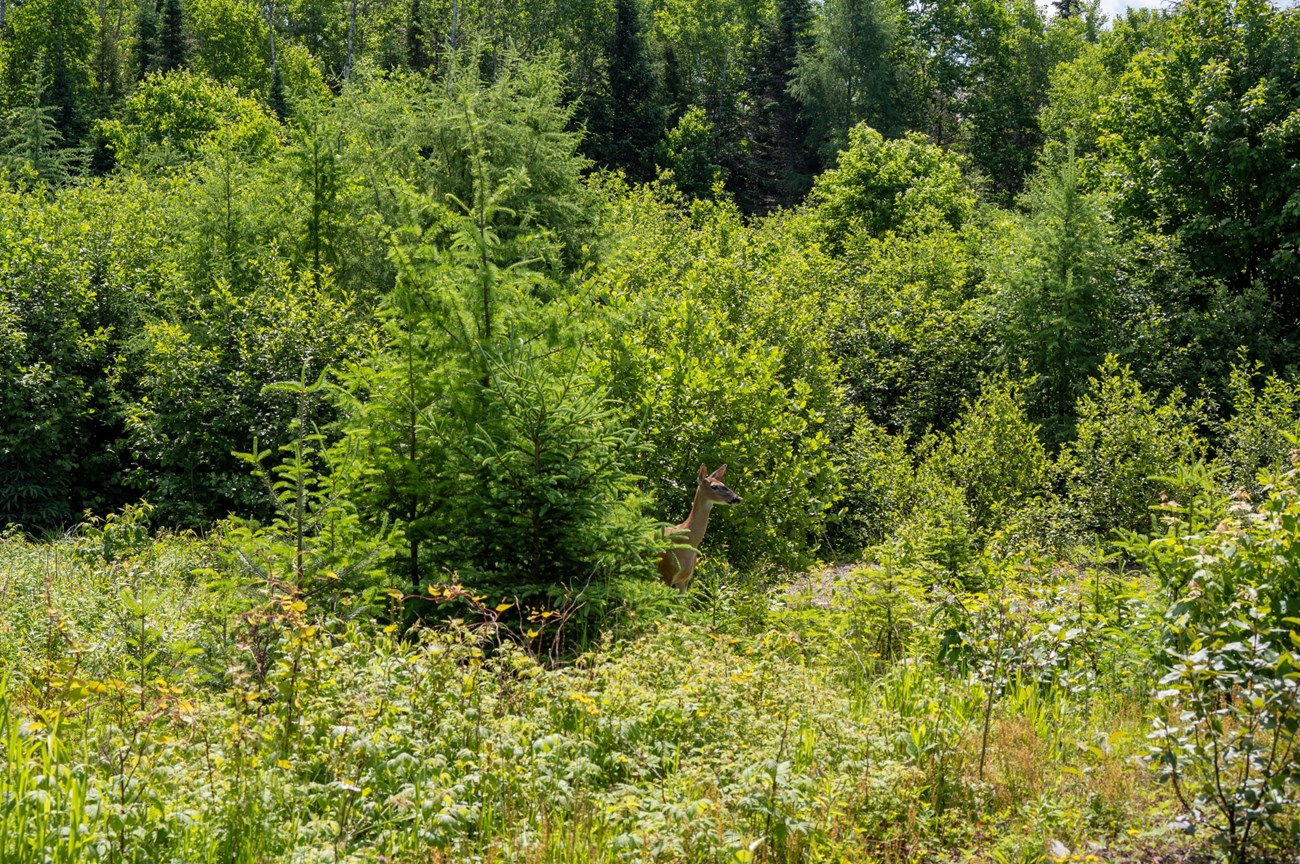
940	535
1254	437
687	150
993	454
1127	444
1199	140
171	115
315	546
1180	329
904	186
702	404
906	323
1084	628
76	277
203	390
878	480
549	508
883	610
1076	89
1231	732
718	363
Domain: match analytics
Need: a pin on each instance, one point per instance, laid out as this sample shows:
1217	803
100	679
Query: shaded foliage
1201	141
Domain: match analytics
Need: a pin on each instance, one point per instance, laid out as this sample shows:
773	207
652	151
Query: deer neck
698	522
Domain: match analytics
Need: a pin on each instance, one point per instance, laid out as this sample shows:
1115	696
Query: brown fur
677	565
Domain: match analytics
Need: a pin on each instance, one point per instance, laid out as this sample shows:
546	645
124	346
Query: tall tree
146	38
59	37
229	43
107	65
417	50
485	441
628	118
315	160
321	26
938	56
276	97
1006	86
978	77
1202	142
713	44
172	48
1068	8
778	169
849	74
352	35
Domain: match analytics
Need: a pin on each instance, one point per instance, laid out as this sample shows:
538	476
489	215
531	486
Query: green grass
145	721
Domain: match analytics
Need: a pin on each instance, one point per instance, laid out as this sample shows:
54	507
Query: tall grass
178	730
48	808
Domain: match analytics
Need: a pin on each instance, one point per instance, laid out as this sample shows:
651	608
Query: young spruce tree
481	436
31	144
1057	299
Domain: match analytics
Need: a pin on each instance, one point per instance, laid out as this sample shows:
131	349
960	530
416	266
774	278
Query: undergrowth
153	713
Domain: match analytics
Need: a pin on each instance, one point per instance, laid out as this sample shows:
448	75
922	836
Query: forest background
353	354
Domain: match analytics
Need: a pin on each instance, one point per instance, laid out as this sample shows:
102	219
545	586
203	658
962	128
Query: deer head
712	487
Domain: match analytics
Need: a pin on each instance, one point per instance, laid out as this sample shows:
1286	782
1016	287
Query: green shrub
687	150
884	608
203	390
1047	644
547	500
702	404
940	534
78	275
1049	522
718	362
1254	436
972	481
878	480
171	116
993	454
906	324
415	152
314	546
1230	733
1127	443
1180	329
905	186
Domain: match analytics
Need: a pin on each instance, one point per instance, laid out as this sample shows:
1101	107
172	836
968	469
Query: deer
677	565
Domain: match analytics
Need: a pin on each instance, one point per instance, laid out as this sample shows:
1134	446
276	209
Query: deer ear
703	472
722	469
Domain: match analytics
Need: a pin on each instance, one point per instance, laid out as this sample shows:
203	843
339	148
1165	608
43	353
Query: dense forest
355	354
